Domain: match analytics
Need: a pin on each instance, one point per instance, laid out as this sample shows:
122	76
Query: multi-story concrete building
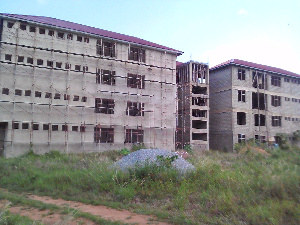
249	100
75	88
193	105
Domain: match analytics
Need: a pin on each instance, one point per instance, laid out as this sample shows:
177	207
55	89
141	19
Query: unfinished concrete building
75	88
249	100
193	105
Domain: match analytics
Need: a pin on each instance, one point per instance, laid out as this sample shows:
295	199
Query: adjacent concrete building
249	100
75	88
193	105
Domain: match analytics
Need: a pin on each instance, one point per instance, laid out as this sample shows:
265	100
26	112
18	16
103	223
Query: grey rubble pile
141	157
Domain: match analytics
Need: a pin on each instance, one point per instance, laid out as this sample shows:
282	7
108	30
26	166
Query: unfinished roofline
178	53
251	67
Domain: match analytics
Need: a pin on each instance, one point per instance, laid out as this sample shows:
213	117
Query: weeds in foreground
225	188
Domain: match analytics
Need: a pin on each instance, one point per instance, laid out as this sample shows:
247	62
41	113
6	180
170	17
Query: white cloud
242	12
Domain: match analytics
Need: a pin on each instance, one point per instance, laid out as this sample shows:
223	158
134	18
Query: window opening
241	95
32	29
103	135
136	81
8	57
137	54
27	92
135	109
18	92
259	120
276	81
5	91
20	58
241	118
105	106
241	74
276	100
134	136
276	121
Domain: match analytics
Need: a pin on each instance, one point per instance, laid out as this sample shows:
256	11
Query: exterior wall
221	116
158	122
288	110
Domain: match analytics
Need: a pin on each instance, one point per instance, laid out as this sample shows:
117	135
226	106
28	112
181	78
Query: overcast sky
210	31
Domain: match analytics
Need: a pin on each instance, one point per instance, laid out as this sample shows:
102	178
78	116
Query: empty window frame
106	48
64	127
20	58
103	105
46	126
82	128
134	136
241	95
15	125
38	94
60	35
137	54
77	67
260	139
42	31
51	32
30	60
136	81
241	74
241	138
23	26
18	92
75	128
10	24
199	101
241	118
135	109
25	126
35	126
39	62
66	97
79	38
276	121
84	99
75	98
276	81
57	96
70	36
85	69
50	63
199	113
8	57
286	80
67	66
27	92
259	101
276	100
32	29
259	80
48	95
103	135
5	91
259	120
58	64
86	39
105	77
54	127
199	90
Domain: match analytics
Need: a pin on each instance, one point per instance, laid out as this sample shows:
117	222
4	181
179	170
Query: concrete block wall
158	122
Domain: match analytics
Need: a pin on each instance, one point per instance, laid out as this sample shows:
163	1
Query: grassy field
225	188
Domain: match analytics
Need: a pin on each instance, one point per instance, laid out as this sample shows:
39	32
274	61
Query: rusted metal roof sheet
83	28
238	62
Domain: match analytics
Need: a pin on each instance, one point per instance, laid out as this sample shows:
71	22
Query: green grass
224	189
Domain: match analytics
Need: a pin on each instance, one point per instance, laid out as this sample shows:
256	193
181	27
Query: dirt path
101	211
45	216
48	217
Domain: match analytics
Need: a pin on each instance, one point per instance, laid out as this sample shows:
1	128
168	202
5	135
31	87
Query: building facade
75	88
193	105
249	100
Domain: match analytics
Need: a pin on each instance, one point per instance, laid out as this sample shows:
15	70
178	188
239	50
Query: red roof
83	28
238	62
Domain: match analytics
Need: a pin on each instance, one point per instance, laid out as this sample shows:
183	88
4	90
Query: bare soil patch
45	216
101	211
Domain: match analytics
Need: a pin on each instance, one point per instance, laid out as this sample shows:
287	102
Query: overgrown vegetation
225	188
